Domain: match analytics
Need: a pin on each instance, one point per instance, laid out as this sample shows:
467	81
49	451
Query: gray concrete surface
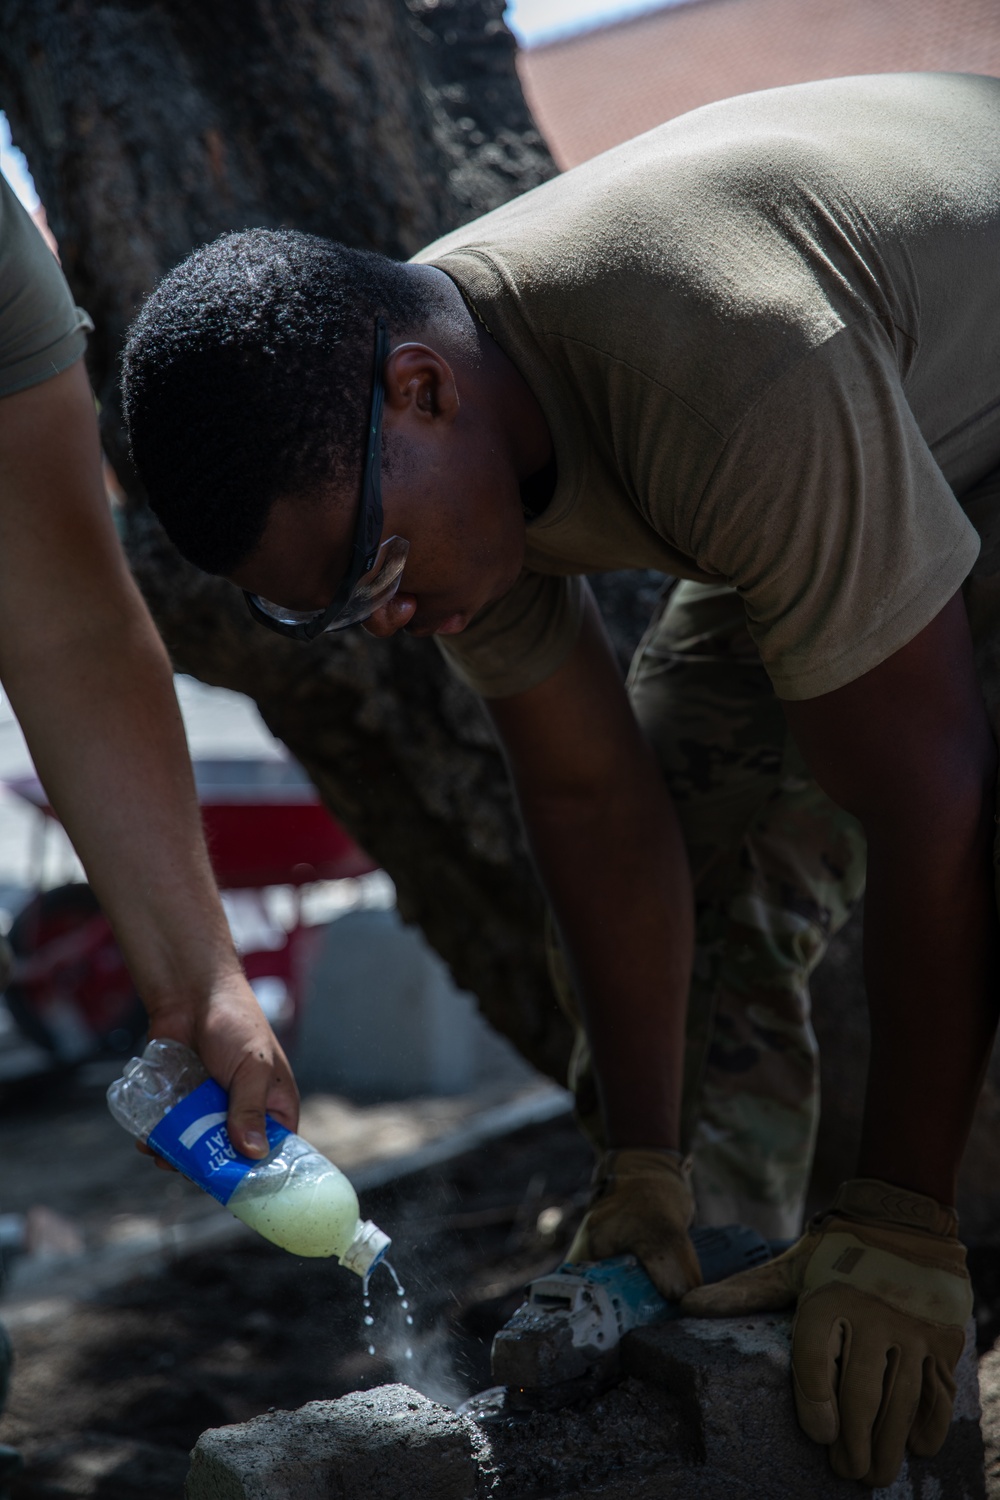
704	1412
387	1444
731	1381
989	1391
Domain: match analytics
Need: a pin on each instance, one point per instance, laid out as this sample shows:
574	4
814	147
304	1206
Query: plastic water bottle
293	1196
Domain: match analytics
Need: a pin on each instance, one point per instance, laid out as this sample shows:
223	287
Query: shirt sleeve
519	641
42	332
829	515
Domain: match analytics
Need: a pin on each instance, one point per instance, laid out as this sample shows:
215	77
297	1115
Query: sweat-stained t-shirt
766	339
42	332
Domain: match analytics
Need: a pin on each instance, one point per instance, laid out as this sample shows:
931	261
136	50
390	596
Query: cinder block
705	1412
386	1444
731	1381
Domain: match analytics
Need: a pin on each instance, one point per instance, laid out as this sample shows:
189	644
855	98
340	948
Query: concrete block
392	1444
731	1380
386	1444
989	1388
705	1412
625	1444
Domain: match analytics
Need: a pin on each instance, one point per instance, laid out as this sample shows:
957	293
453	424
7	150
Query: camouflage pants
777	869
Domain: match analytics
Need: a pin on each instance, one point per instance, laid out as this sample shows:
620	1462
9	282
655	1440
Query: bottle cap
366	1249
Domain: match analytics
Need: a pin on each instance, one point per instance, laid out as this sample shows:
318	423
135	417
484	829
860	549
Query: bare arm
908	749
607	844
90	682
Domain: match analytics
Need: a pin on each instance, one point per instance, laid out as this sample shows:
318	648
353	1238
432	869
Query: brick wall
593	90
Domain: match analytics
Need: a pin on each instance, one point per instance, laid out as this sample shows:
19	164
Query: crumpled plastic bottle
294	1197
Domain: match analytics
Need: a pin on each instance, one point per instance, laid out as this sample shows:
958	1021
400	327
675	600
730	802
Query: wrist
910	1167
869	1200
187	1001
640	1125
640	1161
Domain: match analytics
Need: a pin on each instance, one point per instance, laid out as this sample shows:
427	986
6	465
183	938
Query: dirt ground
110	1393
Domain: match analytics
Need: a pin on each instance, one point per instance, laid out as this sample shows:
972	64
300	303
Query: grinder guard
562	1343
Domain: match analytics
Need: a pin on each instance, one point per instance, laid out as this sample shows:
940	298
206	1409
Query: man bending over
759	350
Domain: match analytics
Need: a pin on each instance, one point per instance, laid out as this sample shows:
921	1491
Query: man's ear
420	382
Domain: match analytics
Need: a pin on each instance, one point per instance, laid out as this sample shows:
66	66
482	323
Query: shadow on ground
110	1394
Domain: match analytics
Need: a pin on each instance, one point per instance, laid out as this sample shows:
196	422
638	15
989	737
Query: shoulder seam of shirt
863	314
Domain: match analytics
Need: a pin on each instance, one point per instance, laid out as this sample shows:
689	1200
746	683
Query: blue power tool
563	1340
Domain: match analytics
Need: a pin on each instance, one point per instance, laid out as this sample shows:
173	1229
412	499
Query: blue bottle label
194	1139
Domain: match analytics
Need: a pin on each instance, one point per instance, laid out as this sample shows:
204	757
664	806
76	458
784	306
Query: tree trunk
153	125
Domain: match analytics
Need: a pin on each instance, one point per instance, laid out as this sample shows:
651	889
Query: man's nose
391	616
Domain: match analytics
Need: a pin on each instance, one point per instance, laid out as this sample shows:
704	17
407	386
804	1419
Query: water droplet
409	1354
404	1304
400	1289
409	1319
369	1320
371	1348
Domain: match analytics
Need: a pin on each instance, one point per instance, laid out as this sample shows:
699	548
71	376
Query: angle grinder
562	1343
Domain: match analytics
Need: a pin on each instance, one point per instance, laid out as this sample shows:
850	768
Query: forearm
102	723
617	877
89	680
608	847
908	749
931	950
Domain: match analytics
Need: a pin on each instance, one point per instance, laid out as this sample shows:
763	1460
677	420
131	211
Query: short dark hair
248	374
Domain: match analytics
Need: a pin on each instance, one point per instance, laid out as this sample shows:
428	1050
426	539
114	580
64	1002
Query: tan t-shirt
766	338
41	331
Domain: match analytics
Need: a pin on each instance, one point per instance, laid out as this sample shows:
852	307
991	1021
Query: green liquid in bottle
314	1215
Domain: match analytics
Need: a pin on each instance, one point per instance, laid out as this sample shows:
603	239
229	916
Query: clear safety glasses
376	567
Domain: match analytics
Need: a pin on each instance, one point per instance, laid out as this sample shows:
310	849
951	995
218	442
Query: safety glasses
376	567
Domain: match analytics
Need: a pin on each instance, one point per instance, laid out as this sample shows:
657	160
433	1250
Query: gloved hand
641	1205
882	1298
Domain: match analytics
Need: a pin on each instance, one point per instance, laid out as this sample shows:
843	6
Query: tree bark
153	125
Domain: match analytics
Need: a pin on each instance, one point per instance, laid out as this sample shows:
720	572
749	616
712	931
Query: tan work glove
641	1205
882	1298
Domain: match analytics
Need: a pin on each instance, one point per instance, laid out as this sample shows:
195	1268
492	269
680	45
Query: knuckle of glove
767	1288
641	1205
917	1277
